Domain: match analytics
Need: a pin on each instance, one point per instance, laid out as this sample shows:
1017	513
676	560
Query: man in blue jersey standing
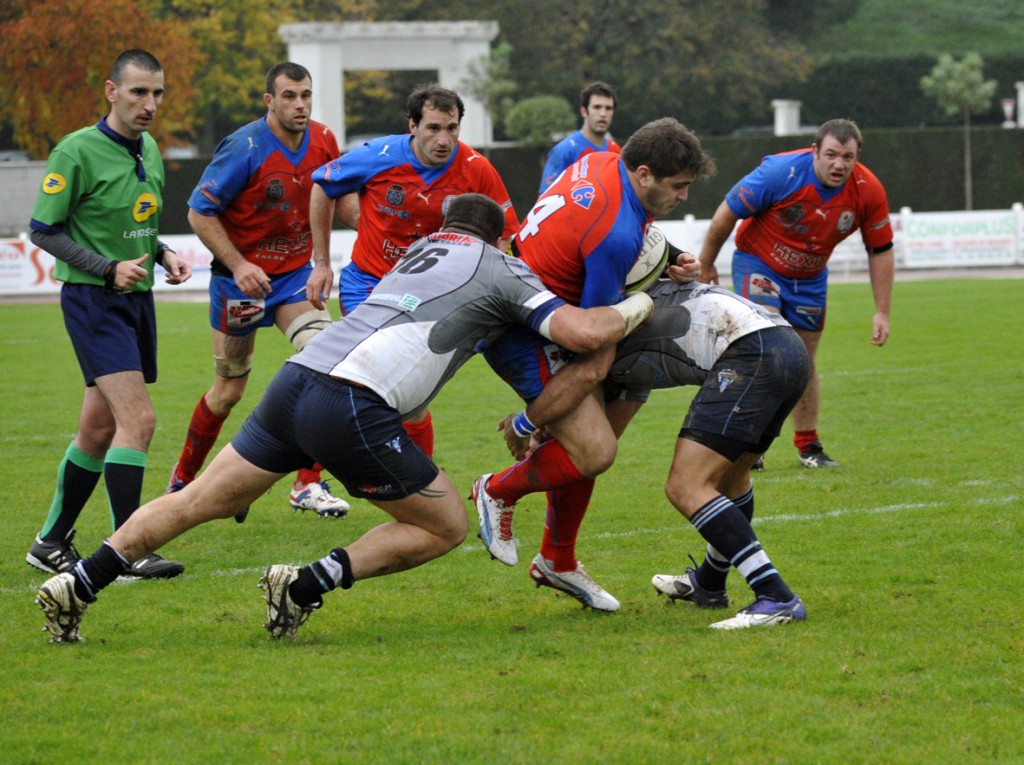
597	107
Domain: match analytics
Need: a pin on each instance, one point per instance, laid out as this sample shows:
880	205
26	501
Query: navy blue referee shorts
110	331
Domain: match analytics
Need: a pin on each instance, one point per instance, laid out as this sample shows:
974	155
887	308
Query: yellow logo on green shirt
145	207
54	183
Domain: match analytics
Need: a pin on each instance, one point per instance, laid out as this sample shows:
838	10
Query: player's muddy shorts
749	392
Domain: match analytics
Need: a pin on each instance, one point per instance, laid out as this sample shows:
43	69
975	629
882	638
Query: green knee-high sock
77	477
123	471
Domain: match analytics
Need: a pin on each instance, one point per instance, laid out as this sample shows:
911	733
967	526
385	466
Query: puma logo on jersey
424	197
384	152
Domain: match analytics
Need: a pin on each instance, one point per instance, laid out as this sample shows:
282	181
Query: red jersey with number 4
585	232
402	200
793	222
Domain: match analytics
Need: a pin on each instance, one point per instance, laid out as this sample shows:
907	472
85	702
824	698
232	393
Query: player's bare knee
679	494
599	456
306	326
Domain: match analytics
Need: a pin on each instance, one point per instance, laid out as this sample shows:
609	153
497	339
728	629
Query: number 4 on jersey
545	207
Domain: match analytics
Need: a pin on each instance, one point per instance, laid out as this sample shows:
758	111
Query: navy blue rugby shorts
749	393
306	417
110	331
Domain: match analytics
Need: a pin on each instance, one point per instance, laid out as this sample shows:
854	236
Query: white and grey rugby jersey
445	300
693	324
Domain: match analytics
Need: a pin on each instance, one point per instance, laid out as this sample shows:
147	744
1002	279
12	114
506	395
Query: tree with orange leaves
58	56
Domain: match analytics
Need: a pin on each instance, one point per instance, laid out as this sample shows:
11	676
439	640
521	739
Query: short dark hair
841	130
435	97
668	148
597	89
136	57
292	71
476	214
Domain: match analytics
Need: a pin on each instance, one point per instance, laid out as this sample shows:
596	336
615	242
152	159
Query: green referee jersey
93	192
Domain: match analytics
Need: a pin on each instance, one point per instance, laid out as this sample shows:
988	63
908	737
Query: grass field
908	557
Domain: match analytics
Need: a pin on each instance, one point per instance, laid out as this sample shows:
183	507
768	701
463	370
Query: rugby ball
650	263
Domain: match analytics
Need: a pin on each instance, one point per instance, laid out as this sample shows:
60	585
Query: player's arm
583	330
683	267
346	211
881	269
554	166
249	277
560	396
722	223
322	210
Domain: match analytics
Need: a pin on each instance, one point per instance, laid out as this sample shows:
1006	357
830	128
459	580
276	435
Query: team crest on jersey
54	183
582	194
726	377
793	215
846	221
396	195
274	189
145	207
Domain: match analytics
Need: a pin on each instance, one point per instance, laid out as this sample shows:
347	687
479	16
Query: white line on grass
474	549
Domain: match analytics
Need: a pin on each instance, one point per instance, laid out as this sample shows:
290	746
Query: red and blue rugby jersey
585	232
259	189
402	200
793	222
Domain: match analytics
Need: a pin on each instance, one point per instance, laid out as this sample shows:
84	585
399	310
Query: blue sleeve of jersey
234	161
541	313
353	169
562	155
607	265
606	268
772	180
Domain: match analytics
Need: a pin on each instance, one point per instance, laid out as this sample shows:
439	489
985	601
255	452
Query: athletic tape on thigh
305	327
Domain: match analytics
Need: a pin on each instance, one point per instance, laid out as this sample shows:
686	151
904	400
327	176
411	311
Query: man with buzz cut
98	214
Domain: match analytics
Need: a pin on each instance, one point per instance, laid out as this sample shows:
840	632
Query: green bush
535	121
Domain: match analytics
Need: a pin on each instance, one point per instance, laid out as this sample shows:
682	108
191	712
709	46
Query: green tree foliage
490	81
535	121
58	55
239	40
960	88
713	64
